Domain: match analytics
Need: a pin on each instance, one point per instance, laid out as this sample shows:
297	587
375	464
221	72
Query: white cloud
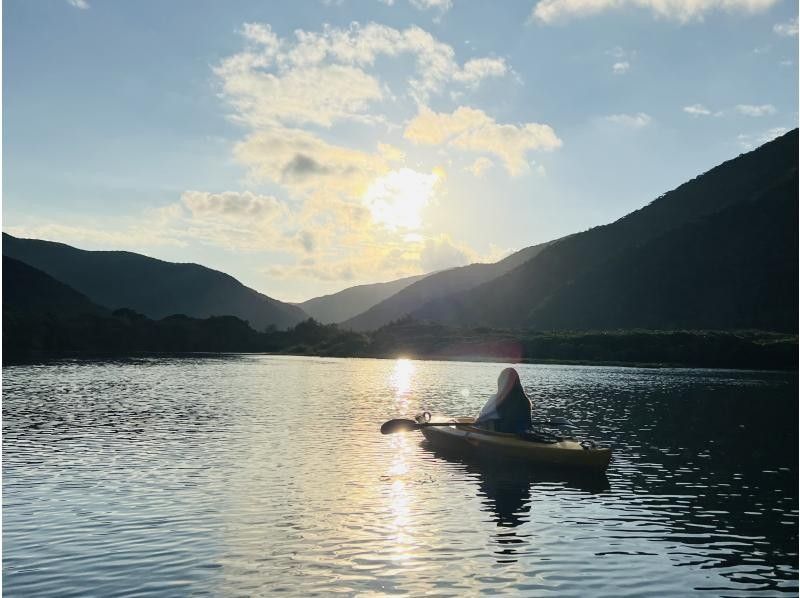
441	252
318	95
327	272
263	35
102	235
787	29
414	255
390	153
81	4
635	121
550	11
480	166
478	69
473	130
756	111
441	5
697	110
320	77
620	68
751	141
232	205
303	163
622	59
235	220
617	52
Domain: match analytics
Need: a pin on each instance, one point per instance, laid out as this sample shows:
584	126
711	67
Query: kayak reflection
505	489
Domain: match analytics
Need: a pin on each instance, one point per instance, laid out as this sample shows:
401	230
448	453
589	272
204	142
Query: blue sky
305	147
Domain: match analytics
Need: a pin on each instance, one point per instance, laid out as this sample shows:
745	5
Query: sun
396	199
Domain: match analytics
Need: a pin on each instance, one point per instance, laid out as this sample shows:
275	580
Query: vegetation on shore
125	332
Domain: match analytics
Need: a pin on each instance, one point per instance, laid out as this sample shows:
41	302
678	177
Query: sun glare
397	199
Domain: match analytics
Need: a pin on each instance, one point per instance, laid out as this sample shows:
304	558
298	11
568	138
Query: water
253	475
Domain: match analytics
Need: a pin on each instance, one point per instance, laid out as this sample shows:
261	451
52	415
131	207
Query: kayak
465	437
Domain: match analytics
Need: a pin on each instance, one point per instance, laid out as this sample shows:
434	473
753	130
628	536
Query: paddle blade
399	425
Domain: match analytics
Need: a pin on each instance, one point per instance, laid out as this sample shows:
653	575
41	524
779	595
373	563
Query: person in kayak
510	409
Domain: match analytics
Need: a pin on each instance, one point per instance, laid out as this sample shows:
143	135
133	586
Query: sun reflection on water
400	495
401	498
400	379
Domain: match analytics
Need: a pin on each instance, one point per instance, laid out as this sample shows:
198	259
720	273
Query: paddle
407	425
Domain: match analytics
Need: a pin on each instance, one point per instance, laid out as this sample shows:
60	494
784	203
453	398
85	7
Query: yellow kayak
466	437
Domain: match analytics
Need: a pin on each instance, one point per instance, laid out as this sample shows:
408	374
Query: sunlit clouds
342	57
352	209
480	166
473	130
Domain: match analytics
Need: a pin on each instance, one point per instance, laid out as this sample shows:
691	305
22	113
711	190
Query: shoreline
44	358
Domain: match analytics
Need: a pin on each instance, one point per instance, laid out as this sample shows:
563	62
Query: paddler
510	409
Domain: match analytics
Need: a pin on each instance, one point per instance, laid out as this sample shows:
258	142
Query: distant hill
341	306
665	264
28	290
437	286
153	287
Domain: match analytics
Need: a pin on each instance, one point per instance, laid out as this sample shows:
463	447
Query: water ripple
251	475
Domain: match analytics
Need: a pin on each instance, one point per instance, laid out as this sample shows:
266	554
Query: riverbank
125	333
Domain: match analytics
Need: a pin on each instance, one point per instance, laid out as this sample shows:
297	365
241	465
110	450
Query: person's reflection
507	497
504	487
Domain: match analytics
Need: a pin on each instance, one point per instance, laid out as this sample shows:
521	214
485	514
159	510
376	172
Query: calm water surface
250	475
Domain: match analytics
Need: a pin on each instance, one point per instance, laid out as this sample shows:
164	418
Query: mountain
341	306
28	290
665	264
437	286
153	287
733	269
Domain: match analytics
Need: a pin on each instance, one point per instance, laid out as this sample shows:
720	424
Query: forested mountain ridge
341	306
732	269
439	285
153	287
29	290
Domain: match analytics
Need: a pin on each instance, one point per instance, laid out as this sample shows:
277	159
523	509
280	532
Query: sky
305	147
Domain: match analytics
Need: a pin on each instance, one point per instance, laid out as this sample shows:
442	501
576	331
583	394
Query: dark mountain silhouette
341	306
735	269
28	290
437	286
669	263
153	287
